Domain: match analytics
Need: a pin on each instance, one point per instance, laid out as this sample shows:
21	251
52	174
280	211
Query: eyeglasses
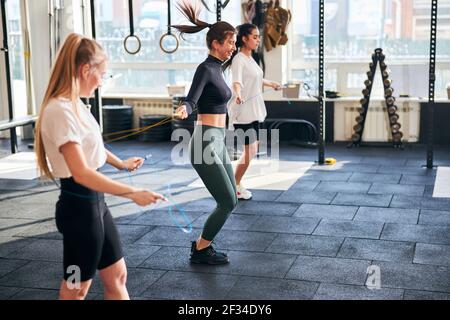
107	77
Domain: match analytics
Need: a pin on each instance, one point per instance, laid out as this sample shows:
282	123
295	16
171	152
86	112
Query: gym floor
314	240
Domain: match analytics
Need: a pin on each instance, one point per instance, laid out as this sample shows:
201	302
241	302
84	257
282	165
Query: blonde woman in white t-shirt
247	109
69	146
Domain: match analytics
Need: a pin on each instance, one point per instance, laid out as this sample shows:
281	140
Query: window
151	70
354	28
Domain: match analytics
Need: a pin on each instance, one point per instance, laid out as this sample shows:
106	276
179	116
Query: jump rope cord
186	224
261	93
137	131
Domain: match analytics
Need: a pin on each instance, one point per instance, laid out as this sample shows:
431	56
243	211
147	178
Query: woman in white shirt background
69	146
247	109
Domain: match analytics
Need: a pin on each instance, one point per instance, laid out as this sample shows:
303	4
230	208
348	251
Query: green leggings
210	159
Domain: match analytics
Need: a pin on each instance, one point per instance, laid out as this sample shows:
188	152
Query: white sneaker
243	193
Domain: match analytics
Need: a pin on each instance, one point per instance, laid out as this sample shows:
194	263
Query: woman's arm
113	160
201	77
272	84
237	89
130	164
90	178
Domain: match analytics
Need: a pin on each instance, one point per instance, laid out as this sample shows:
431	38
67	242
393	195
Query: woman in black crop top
209	95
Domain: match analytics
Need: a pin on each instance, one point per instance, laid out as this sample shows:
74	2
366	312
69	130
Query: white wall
276	70
71	20
40	47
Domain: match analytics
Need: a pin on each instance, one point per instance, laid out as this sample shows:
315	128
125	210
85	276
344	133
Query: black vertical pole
321	106
432	78
219	10
8	76
95	109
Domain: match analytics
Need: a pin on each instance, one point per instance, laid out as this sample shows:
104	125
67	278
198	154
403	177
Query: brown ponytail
218	31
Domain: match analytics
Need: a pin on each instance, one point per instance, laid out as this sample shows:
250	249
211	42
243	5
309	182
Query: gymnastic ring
125	44
161	42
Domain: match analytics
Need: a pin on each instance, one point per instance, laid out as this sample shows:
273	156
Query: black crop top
209	92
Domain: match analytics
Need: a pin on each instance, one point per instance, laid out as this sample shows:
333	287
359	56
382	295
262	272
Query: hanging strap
130	12
219	10
206	5
169	18
169	32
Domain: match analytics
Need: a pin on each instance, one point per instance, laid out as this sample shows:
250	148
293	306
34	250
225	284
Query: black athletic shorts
248	133
90	238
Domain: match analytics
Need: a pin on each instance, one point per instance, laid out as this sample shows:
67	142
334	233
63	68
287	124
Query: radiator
376	128
149	106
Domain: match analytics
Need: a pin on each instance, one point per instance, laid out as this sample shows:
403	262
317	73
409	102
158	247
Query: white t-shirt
246	72
60	125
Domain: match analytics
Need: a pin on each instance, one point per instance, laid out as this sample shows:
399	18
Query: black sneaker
194	247
207	255
220	253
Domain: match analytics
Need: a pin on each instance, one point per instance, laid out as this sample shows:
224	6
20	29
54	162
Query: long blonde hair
76	51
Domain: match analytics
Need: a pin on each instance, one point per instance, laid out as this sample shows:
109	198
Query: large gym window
354	28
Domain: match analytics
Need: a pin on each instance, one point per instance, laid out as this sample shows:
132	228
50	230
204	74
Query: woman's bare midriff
213	120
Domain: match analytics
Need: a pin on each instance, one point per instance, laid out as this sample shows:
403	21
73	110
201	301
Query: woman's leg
217	175
78	291
82	245
113	270
249	135
114	279
222	188
90	242
248	154
226	162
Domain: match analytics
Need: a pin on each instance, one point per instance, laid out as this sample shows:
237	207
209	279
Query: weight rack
378	57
